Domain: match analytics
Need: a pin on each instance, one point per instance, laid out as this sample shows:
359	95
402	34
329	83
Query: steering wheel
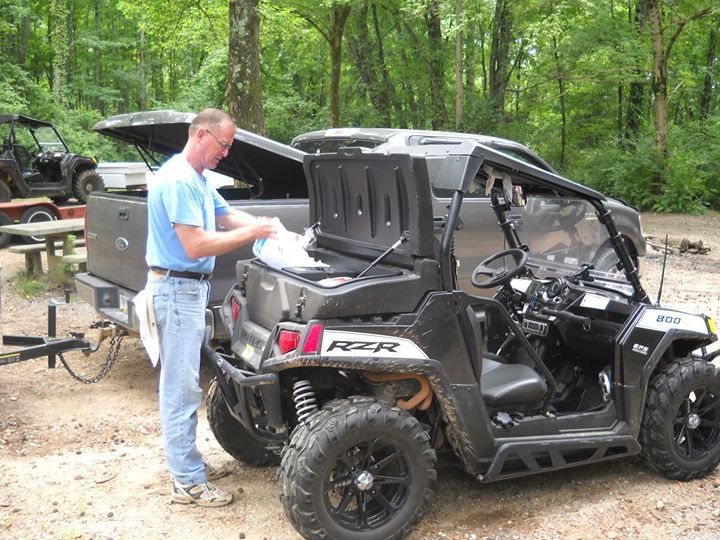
502	275
22	156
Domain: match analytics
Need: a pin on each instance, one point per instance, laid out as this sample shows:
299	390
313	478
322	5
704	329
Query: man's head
211	134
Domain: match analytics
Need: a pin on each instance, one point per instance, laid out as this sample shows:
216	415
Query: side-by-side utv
360	371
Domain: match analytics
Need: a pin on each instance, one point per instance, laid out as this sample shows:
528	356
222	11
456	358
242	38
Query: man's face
215	143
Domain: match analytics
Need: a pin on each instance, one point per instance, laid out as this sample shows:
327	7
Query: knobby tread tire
79	185
232	435
667	389
318	439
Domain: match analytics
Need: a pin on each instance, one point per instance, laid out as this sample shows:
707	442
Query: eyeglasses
223	144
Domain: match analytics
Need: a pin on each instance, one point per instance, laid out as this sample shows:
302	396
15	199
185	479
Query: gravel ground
85	461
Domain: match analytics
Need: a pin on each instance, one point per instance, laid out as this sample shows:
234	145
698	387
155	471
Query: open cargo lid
364	202
252	158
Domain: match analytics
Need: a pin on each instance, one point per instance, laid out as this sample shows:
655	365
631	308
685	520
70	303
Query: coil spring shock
304	398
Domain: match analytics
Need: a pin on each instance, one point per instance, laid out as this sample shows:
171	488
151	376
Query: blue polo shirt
179	194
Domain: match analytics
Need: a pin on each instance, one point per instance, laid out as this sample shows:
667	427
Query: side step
515	459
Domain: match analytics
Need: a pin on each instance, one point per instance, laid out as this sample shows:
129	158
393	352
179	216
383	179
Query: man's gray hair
210	118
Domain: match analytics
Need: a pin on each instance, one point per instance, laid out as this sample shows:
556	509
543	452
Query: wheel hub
364	481
693	421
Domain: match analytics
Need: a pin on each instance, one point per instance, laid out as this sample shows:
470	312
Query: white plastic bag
286	250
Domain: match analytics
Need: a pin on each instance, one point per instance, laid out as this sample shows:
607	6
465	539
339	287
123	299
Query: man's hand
265	227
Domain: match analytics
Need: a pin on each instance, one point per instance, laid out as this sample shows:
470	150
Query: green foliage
145	55
29	286
693	183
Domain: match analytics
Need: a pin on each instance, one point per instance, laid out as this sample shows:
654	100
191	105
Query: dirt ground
85	461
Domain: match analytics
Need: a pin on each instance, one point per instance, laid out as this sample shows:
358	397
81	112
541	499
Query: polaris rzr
360	370
36	162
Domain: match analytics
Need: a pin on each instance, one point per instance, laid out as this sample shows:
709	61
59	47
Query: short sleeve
222	208
183	203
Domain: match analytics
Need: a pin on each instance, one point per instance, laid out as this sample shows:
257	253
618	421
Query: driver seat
516	387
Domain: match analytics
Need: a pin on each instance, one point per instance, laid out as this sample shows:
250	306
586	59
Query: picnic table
54	231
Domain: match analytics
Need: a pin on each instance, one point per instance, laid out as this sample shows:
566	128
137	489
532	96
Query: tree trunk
706	95
70	22
97	7
661	58
244	92
659	90
459	96
483	64
362	51
563	116
59	43
142	91
389	89
499	56
436	69
339	17
23	39
470	88
636	96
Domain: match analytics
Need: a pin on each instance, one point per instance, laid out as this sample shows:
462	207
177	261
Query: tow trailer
53	347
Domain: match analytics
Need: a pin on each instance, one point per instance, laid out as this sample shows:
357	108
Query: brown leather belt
181	273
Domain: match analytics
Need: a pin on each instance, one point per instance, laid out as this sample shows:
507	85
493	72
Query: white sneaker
206	494
215	473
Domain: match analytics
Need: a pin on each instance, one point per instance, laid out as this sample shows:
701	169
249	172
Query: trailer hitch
53	347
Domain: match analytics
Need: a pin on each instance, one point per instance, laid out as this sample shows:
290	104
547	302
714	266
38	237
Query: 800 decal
663	320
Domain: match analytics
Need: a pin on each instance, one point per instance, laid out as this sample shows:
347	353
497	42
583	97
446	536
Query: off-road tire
320	451
5	191
5	237
60	199
669	442
233	436
606	260
85	182
36	214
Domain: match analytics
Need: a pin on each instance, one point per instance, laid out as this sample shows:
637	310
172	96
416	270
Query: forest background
621	95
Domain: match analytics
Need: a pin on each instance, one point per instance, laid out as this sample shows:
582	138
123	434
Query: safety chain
109	362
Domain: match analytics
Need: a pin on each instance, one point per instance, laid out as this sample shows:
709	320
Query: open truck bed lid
252	158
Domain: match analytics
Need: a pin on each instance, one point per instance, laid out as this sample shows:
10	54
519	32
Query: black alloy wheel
359	468
697	424
681	426
368	484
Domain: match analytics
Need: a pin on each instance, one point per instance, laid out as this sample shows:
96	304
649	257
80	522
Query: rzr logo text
372	346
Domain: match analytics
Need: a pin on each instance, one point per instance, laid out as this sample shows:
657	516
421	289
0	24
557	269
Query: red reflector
312	342
235	306
288	340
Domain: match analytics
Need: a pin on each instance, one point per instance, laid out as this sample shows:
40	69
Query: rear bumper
109	300
116	304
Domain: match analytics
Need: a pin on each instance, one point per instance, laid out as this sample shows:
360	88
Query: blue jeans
180	314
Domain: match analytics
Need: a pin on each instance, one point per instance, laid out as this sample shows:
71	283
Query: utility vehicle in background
356	373
36	162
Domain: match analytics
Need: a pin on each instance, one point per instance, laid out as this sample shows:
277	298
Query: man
183	209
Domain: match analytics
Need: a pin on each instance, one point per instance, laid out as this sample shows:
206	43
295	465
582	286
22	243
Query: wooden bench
76	258
33	259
